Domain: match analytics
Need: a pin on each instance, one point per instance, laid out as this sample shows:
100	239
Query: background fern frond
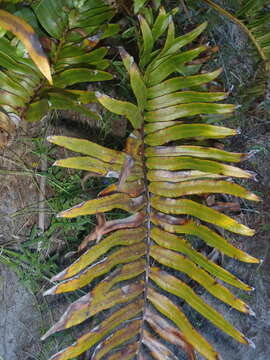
253	17
71	42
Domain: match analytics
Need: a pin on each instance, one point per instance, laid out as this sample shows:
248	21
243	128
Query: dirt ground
24	316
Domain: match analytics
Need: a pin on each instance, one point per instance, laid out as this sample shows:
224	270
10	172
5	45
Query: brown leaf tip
65	212
98	94
50	138
59	276
122	52
250	343
253	175
61	214
251	312
250	154
218	357
50	291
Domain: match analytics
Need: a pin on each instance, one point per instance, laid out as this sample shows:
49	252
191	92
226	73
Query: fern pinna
136	263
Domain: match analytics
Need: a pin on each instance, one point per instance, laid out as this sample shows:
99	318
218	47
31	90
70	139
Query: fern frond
136	268
257	27
253	17
70	40
257	16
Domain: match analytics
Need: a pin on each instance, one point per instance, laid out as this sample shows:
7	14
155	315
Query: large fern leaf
69	32
137	268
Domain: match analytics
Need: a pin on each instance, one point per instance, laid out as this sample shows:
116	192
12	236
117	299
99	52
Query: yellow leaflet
26	34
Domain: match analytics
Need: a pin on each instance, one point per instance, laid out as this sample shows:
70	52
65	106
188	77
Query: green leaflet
159	125
90	164
172	64
37	110
12	87
182	82
179	132
85	97
200	187
175	45
63	101
196	151
12	100
8	62
95	20
106	203
191	227
179	111
136	81
88	58
98	9
88	148
183	97
122	256
26	83
183	264
171	311
179	176
148	42
109	30
161	23
172	242
185	162
122	108
45	12
189	207
74	76
120	237
138	4
180	289
10	50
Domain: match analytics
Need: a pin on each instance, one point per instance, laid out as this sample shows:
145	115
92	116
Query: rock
19	319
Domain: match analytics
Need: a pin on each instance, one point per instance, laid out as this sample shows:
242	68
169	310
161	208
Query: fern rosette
143	261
